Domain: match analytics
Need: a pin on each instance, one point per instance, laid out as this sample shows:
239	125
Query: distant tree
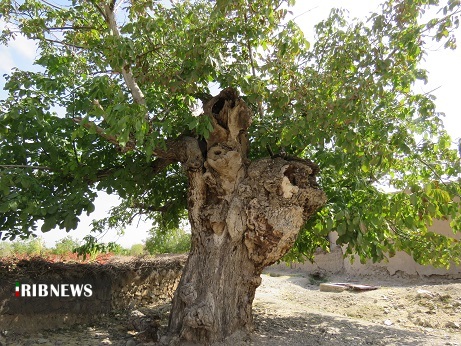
174	241
65	245
128	77
136	250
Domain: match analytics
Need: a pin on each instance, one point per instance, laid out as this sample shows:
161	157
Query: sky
444	78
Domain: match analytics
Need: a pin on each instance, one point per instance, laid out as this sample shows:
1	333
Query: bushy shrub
31	247
6	249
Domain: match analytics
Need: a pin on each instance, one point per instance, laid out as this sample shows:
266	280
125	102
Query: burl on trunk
244	217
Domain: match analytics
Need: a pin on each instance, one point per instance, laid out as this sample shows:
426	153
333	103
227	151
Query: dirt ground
291	310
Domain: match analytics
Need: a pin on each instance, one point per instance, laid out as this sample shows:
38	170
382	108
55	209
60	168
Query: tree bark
244	216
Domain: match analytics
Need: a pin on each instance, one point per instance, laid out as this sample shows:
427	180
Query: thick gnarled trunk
244	217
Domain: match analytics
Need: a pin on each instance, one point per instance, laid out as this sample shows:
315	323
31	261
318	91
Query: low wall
400	264
335	263
115	286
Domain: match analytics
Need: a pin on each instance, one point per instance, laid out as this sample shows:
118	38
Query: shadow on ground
315	329
306	329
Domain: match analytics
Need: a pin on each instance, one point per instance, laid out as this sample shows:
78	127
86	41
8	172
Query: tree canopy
121	81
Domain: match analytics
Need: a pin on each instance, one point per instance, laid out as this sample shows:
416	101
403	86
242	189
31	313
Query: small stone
332	288
41	341
388	323
106	341
454	325
424	294
131	342
423	323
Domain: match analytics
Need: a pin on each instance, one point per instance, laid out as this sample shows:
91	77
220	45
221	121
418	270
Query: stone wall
118	285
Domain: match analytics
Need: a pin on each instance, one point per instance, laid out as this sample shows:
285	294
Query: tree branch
102	133
130	81
52	5
185	150
142	206
98	8
112	5
159	164
64	43
253	71
41	168
70	28
431	169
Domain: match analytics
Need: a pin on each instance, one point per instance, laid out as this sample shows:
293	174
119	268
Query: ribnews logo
53	290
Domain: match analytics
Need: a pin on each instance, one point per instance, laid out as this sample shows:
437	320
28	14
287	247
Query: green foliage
345	101
31	247
65	246
117	249
136	250
91	247
6	249
175	241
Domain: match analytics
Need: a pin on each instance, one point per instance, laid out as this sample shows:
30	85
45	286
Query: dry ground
290	310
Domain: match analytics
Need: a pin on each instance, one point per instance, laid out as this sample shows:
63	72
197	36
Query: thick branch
202	96
160	164
112	5
130	81
185	150
157	166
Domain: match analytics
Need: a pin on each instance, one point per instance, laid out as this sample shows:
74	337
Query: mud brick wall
118	285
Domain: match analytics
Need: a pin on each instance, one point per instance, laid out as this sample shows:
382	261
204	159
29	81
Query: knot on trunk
277	196
187	293
224	169
199	317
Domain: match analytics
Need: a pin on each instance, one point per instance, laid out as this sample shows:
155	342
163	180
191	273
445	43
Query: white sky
444	75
